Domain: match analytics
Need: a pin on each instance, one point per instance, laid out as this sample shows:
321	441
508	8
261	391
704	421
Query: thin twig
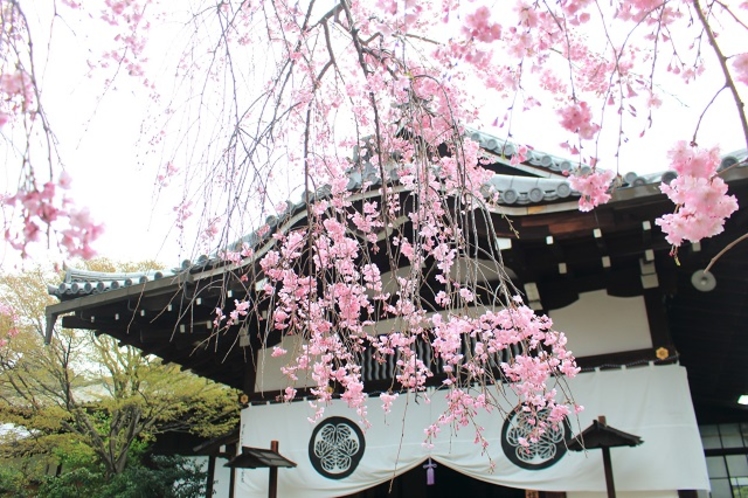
729	82
724	250
703	113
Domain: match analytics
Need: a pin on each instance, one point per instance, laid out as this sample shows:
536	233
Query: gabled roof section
539	185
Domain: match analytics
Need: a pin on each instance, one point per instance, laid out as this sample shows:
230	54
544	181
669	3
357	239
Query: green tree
84	397
158	477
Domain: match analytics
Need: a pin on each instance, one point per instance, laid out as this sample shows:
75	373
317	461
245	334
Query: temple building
660	343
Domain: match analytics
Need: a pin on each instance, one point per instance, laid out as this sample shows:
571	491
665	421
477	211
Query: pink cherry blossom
48	210
387	400
740	64
593	187
702	203
703	206
577	118
65	180
478	26
688	160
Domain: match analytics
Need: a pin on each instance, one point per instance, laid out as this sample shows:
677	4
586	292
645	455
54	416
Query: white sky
101	142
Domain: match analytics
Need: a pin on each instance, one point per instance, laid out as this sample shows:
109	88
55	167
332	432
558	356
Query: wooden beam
659	330
622	358
567	223
250	374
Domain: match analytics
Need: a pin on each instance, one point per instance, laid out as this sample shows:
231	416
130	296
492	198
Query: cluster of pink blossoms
241	309
44	211
577	118
16	95
126	16
8	313
544	356
700	196
333	321
335	308
478	26
593	187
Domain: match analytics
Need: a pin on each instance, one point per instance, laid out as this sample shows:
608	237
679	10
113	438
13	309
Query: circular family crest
541	454
336	447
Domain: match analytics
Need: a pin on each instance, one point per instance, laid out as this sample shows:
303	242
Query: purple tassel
430	472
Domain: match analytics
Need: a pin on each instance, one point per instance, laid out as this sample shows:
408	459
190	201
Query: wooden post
607	465
211	476
232	482
273	484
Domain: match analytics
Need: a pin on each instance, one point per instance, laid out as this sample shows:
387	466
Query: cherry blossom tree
365	106
39	209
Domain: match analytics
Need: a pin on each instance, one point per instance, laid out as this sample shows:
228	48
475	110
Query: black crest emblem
336	447
534	455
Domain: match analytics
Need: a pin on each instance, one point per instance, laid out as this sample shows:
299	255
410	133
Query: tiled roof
547	185
83	282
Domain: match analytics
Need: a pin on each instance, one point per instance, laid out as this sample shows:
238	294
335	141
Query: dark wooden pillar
232	482
250	375
608	466
211	476
273	484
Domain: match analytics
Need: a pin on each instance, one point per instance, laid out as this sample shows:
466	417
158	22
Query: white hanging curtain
652	402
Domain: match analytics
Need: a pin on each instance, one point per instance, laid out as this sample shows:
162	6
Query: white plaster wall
222	478
598	323
269	375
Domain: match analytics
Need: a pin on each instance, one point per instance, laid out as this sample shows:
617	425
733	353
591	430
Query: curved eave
152	288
